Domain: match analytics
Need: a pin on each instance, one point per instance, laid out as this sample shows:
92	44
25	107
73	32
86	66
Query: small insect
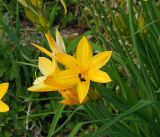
79	75
81	78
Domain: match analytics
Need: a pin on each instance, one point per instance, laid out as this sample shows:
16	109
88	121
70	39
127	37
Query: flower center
81	77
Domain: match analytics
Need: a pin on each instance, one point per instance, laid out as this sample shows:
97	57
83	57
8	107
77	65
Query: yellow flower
3	89
55	46
48	69
70	97
83	68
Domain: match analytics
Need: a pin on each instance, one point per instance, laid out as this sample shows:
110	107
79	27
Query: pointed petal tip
63	102
110	52
39	58
6	84
42	49
3	107
47	33
100	59
33	44
7	108
33	89
4	111
29	89
108	80
81	101
82	98
84	53
51	41
84	39
99	76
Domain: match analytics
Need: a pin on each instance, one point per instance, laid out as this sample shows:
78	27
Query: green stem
132	28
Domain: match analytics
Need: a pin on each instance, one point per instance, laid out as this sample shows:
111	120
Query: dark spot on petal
82	79
79	75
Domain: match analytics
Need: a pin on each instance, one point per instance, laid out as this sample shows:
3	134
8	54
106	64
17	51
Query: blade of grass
55	120
140	105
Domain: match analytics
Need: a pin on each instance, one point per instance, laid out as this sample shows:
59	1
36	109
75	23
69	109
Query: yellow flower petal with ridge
66	60
60	42
82	89
43	50
51	42
39	80
51	80
46	66
67	77
100	59
84	53
43	87
98	76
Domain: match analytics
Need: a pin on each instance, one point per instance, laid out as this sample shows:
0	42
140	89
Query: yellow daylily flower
55	46
83	68
71	97
48	69
3	89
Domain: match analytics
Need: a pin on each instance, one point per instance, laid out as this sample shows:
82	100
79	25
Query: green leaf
139	106
55	120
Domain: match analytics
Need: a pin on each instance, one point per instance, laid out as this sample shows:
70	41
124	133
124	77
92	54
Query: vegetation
126	107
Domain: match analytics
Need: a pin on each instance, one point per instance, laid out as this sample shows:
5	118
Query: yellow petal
51	80
69	102
69	94
57	69
66	60
98	76
51	42
3	107
3	89
82	89
65	102
43	87
70	97
60	42
46	66
64	94
67	77
100	59
39	80
43	50
84	53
